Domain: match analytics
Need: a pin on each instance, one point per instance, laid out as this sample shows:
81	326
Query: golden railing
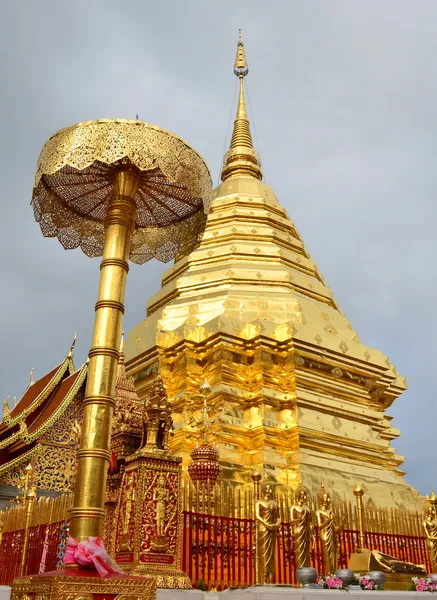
46	510
29	547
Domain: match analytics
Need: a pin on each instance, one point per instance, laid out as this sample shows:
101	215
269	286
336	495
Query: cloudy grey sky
343	97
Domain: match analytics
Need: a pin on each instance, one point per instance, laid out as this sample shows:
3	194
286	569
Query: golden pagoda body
295	393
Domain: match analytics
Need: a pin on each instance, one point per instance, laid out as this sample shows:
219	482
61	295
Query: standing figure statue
430	526
129	501
125	539
328	531
159	543
161	496
302	522
268	521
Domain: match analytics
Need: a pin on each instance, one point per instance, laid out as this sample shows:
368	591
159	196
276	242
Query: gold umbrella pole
94	453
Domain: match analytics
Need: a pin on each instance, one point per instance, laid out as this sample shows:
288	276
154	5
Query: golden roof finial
31	376
121	350
241	68
121	368
432	498
15	400
70	354
6	410
241	159
358	490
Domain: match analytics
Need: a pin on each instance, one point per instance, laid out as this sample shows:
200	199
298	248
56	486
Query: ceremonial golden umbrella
125	190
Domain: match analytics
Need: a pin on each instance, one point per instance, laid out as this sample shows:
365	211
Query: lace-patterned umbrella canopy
75	178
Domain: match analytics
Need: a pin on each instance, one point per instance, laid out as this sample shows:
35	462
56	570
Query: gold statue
328	531
267	516
130	499
161	496
125	536
430	526
301	520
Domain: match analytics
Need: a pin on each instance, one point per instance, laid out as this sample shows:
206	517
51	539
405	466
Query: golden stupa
295	393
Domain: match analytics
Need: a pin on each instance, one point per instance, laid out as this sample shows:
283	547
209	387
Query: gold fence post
358	493
256	478
29	498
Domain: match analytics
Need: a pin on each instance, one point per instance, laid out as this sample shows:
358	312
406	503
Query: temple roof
43	402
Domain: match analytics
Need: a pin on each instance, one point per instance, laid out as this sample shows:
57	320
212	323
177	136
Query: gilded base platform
82	584
164	579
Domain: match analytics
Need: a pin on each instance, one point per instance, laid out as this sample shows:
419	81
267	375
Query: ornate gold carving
95	150
160	495
61	587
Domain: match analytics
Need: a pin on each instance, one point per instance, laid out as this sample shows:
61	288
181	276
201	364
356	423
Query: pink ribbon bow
90	553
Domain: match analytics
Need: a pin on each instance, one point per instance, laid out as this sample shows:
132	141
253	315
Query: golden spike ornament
122	190
73	343
358	493
31	381
241	158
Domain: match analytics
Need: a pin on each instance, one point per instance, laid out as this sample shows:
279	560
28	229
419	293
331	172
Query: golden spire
241	160
31	377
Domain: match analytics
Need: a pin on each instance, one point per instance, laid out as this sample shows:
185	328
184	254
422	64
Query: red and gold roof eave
24	447
59	402
37	393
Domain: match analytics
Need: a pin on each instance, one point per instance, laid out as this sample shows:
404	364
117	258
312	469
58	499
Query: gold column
29	498
94	451
256	478
358	493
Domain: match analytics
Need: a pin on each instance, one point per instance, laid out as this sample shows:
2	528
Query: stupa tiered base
82	584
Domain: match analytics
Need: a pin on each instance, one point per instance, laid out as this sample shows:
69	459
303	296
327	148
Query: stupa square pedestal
82	584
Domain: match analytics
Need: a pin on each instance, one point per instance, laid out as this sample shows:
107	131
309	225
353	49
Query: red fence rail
220	551
409	548
11	550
